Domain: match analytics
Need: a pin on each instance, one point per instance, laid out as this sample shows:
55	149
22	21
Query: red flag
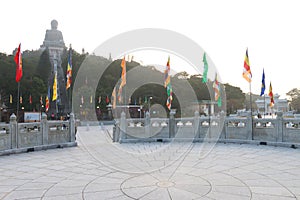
30	99
271	96
107	99
18	60
47	103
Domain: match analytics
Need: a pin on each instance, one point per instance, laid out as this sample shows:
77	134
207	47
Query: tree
235	98
294	95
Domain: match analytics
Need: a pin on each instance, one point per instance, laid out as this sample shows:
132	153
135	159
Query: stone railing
23	137
277	131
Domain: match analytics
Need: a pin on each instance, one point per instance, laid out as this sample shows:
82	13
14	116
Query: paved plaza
100	169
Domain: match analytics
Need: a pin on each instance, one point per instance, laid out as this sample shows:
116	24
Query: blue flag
263	85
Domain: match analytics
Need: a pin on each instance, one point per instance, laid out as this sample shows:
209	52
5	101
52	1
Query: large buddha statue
53	37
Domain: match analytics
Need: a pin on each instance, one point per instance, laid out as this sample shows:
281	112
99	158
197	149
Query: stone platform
100	169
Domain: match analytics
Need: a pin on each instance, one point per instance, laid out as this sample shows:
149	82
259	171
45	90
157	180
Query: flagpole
251	111
18	101
264	105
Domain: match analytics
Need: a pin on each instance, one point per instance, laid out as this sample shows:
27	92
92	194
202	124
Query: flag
263	85
99	99
167	73
170	96
10	99
217	90
47	99
54	96
204	78
120	94
21	99
114	98
271	96
167	82
107	99
18	60
41	100
30	99
123	79
91	99
247	72
69	70
123	76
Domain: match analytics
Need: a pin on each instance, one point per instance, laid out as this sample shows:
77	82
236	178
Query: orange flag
247	72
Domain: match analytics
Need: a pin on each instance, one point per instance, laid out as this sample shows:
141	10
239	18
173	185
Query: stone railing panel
29	134
58	132
5	135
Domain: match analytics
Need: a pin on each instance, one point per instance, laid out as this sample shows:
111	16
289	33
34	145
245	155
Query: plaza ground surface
100	169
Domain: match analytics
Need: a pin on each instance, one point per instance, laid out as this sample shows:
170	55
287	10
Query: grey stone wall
23	137
240	129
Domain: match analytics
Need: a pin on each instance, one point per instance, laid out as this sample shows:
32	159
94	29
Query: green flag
204	79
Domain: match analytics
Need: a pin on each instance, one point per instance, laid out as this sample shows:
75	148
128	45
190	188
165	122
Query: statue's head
54	24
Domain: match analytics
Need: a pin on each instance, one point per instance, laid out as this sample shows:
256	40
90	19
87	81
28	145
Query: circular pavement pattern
229	171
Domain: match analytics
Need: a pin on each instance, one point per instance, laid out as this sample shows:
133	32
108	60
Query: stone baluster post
116	132
147	125
45	129
279	122
196	124
72	127
249	127
172	125
13	131
123	126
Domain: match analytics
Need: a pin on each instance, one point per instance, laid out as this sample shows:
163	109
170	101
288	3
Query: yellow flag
10	98
54	96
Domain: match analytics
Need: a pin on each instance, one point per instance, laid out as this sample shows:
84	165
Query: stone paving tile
100	169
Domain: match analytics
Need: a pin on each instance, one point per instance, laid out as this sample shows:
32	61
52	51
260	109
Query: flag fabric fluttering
167	83
271	95
99	99
114	98
247	72
47	99
167	73
123	79
54	95
217	90
69	70
18	61
107	99
204	78
21	99
91	99
263	85
10	99
30	99
47	103
120	94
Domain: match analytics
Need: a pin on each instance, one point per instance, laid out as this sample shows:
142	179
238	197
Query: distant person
52	116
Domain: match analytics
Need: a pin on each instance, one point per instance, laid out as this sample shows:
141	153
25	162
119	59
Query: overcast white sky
224	29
